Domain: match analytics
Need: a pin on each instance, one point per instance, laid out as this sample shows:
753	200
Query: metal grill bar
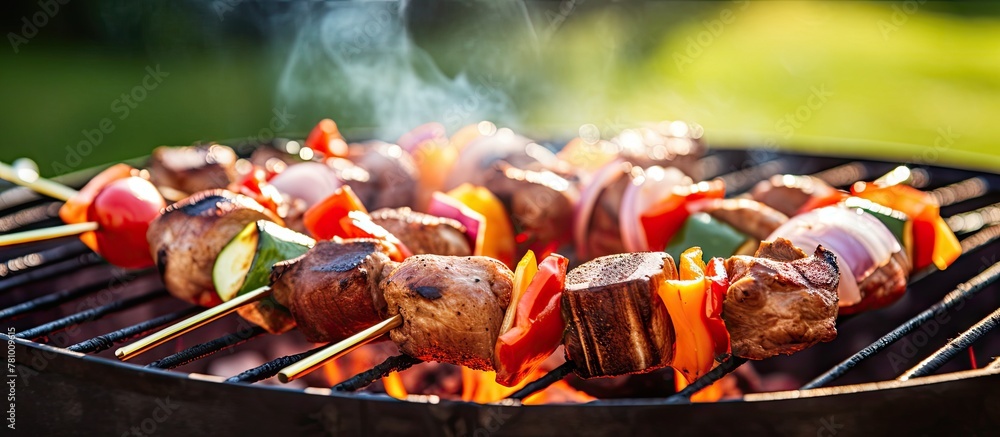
723	369
29	216
108	340
954	347
271	368
961	191
975	219
964	291
203	350
90	314
26	263
740	181
50	300
554	375
843	175
17	196
51	270
396	363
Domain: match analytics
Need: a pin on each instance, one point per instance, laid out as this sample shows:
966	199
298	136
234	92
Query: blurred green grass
933	79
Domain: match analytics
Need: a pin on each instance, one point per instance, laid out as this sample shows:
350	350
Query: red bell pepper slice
323	220
326	139
718	286
342	215
538	324
255	186
664	219
933	241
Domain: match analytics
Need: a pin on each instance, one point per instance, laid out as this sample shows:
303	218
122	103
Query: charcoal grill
907	368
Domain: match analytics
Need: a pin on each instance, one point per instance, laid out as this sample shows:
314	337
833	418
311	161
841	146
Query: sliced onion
861	243
588	198
425	132
443	205
656	185
310	181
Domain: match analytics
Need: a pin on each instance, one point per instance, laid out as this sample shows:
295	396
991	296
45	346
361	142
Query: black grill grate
45	263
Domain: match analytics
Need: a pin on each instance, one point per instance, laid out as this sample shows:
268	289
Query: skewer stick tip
337	350
189	324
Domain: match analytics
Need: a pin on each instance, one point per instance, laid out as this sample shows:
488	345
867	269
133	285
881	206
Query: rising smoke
357	63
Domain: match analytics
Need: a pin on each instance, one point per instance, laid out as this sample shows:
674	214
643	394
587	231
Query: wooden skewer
47	233
39	185
337	350
196	321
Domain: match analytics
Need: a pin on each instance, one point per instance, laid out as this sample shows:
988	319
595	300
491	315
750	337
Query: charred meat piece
452	307
788	193
748	216
391	180
615	321
539	202
423	233
883	286
332	290
193	169
780	301
188	236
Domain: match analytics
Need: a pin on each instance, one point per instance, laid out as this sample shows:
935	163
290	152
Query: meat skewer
589	298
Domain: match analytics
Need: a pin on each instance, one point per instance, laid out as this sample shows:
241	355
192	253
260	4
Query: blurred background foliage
921	78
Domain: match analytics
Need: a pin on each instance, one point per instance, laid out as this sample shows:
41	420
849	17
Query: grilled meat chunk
788	193
332	290
192	169
883	286
539	202
604	236
392	175
780	301
423	233
615	321
479	159
188	236
750	217
452	307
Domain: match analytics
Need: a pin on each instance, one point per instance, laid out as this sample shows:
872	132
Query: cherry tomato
123	211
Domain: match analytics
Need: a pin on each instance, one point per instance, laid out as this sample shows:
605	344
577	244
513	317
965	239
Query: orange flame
711	393
394	386
481	387
359	360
